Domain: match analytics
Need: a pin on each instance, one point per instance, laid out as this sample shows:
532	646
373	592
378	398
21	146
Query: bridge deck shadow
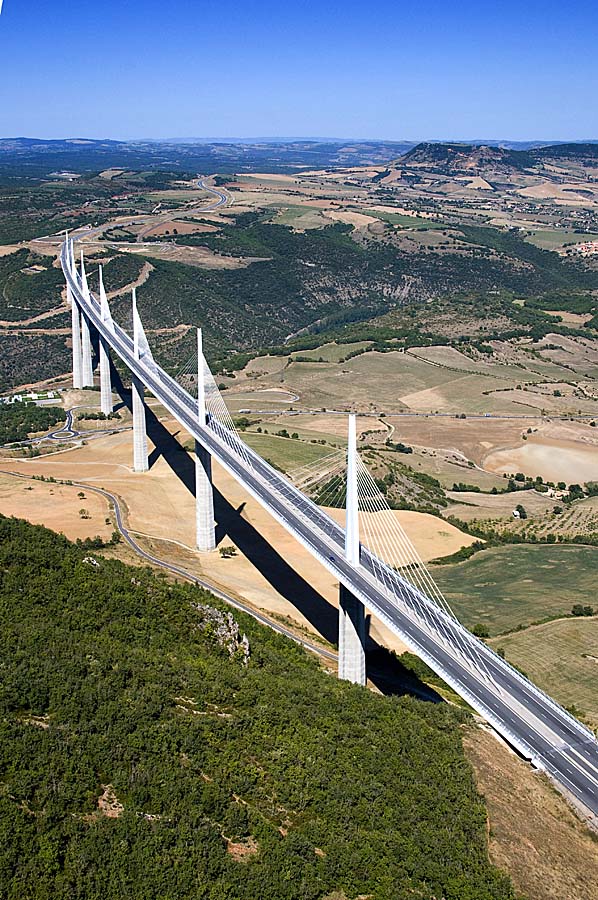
230	523
385	670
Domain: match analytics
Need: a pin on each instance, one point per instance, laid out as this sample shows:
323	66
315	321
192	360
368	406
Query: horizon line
295	138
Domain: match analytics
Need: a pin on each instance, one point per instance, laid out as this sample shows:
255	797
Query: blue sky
394	70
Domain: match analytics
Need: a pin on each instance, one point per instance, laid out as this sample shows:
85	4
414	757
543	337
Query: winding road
184	573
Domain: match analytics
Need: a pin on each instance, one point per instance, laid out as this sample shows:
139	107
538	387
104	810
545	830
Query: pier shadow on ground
385	669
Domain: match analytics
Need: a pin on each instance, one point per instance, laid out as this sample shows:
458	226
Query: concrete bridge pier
204	500
106	404
86	353
351	612
86	350
140	455
351	638
204	492
76	339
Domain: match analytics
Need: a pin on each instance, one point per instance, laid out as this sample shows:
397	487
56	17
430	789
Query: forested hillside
146	751
332	280
322	279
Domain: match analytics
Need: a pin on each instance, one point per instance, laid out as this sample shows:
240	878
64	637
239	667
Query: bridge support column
351	638
76	339
140	456
204	500
204	492
86	353
351	613
106	404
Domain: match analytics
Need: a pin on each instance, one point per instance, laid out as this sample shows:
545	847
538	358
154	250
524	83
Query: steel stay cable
423	602
334	481
415	564
319	467
413	568
386	575
453	626
333	493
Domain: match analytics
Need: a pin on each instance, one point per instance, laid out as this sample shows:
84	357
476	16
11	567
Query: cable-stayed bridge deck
524	715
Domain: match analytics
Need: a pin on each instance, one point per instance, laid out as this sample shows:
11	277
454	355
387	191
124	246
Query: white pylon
86	353
84	284
201	381
104	307
351	613
143	350
204	491
352	502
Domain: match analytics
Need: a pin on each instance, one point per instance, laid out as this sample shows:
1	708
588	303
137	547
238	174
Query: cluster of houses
32	397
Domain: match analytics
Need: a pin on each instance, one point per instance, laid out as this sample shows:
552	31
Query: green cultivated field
553	240
286	453
448	472
301	217
562	657
452	359
300	425
504	587
412	222
332	352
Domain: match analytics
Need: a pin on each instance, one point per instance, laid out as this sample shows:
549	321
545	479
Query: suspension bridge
375	564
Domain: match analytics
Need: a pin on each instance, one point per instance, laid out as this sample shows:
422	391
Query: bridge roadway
525	716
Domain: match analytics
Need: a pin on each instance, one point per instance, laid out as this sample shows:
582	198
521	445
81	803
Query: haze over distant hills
25	158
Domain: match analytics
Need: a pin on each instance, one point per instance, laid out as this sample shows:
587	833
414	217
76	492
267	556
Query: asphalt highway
86	232
222	197
525	716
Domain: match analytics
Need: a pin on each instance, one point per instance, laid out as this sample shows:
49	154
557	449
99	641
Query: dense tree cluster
29	285
19	420
218	779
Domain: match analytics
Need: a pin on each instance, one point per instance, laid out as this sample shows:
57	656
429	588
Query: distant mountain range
35	157
273	140
24	158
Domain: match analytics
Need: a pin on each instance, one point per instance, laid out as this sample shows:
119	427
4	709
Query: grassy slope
337	788
563	658
504	587
285	453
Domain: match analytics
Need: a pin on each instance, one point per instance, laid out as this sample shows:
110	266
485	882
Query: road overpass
538	727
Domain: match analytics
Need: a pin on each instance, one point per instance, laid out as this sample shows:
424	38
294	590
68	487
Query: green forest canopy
111	676
20	419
